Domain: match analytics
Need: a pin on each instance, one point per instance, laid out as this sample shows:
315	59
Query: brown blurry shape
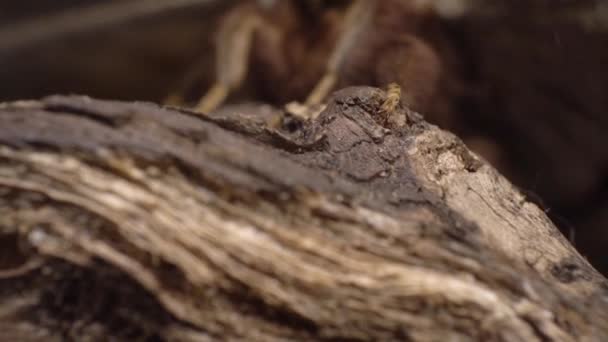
310	48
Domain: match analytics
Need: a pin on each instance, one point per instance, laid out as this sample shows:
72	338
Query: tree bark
130	221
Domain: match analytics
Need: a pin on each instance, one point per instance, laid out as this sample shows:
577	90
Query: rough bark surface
128	220
525	81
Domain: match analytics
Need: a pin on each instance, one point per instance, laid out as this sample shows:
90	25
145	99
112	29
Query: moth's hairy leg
323	88
358	17
388	114
393	98
415	66
234	41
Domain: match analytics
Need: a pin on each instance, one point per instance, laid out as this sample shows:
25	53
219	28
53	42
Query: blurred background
534	74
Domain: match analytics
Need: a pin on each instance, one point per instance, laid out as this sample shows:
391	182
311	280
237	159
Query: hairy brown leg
233	48
234	42
358	18
412	64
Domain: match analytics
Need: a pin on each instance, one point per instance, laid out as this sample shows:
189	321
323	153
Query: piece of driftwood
129	221
525	83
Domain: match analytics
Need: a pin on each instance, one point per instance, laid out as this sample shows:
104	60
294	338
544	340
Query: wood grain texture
156	223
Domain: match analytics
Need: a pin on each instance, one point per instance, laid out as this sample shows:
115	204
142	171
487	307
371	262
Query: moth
302	50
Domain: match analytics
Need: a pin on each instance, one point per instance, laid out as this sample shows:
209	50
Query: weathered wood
129	220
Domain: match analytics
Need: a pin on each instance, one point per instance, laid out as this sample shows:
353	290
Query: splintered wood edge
507	219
